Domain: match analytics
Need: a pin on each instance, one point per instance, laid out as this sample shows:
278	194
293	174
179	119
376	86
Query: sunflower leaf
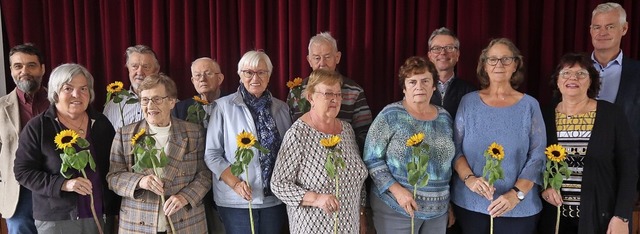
83	143
236	169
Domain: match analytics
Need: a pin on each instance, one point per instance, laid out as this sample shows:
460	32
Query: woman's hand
503	204
328	202
404	198
173	204
78	185
243	190
480	186
617	226
552	197
152	183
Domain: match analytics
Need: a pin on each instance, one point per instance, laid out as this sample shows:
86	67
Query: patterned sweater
300	168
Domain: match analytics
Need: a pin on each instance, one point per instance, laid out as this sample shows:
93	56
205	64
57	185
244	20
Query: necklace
78	127
578	110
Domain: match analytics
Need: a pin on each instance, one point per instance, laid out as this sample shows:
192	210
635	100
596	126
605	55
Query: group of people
310	170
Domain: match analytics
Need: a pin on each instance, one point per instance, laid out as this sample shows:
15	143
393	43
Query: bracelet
466	177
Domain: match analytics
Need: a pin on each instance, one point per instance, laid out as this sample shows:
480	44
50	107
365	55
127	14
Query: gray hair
608	7
205	59
324	37
142	49
446	32
62	75
252	58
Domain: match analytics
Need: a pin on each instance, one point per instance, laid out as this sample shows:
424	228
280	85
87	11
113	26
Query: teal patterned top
386	156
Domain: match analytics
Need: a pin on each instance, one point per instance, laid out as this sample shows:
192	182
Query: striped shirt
132	112
573	134
354	109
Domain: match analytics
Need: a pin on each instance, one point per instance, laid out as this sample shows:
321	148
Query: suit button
141	223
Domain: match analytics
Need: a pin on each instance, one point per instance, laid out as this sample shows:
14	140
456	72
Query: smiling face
326	99
419	88
74	96
157	114
255	84
573	82
500	72
26	71
444	61
607	31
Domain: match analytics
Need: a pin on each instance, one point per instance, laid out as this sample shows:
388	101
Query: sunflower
66	138
555	153
245	140
115	87
330	142
200	100
135	138
416	139
496	151
295	83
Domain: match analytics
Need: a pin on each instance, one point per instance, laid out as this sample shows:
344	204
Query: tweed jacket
186	174
37	165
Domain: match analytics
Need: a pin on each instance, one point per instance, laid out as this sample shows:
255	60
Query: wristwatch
519	193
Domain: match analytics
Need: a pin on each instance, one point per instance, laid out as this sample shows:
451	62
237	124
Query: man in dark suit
444	51
619	75
26	101
206	78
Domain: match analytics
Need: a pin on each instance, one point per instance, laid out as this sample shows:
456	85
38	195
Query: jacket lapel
176	148
10	108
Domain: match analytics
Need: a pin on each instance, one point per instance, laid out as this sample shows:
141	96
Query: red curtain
375	37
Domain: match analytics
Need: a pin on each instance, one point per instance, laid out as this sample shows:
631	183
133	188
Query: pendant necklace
79	127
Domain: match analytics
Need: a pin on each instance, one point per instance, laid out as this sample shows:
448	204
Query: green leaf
412	166
69	151
424	181
236	169
413	178
117	99
246	155
339	162
330	168
92	164
261	149
164	160
132	101
83	143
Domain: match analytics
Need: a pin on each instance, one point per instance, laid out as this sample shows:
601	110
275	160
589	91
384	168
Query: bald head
206	77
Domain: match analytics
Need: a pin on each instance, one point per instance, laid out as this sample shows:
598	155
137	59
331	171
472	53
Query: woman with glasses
300	179
184	181
498	113
602	155
387	154
253	109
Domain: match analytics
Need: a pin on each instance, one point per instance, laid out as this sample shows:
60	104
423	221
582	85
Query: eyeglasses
504	60
580	75
330	95
249	74
155	100
439	49
205	74
606	28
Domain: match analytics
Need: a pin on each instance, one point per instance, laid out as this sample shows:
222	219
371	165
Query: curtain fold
375	37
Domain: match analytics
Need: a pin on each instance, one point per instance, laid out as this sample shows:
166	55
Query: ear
338	56
309	60
625	27
220	79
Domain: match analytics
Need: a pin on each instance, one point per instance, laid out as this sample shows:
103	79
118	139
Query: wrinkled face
573	82
326	99
73	97
206	76
157	105
419	88
444	59
255	79
322	56
140	66
607	31
26	71
506	63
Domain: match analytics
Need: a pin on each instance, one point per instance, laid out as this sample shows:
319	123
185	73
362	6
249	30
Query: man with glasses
619	75
206	78
444	51
324	54
141	62
26	101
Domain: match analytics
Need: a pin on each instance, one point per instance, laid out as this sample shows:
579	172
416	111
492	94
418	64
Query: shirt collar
25	98
617	60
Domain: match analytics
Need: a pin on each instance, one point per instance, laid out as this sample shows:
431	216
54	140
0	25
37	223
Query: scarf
267	135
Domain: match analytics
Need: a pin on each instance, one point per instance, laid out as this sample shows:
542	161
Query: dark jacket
37	165
610	174
452	96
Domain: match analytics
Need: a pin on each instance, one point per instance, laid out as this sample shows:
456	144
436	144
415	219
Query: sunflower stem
335	214
155	171
93	209
246	172
415	190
